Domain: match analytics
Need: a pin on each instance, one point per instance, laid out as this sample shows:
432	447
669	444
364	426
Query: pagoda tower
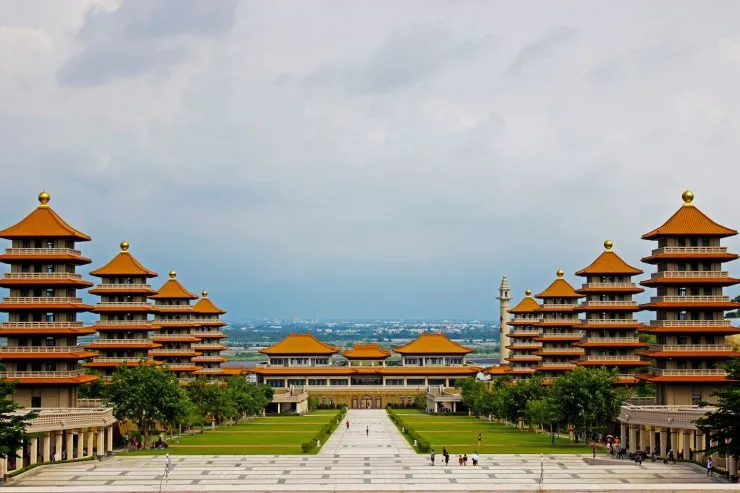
690	327
174	317
123	309
504	299
561	328
610	327
206	315
42	353
523	334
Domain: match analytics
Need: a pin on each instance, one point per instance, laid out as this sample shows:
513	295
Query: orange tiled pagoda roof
560	288
300	344
123	264
689	220
366	351
43	222
206	306
432	343
172	289
609	263
527	305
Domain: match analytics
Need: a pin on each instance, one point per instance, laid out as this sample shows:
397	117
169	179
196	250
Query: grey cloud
541	48
142	36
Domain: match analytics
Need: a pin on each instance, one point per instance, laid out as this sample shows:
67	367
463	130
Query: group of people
462	460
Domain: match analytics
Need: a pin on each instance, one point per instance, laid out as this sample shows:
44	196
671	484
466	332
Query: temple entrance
367	402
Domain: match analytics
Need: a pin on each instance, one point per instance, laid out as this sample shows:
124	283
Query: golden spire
204	293
173	274
44	199
688	197
560	273
528	292
608	245
124	246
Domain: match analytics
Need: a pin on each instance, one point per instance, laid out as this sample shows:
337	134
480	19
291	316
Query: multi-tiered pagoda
207	317
124	310
690	327
561	328
610	327
42	353
523	334
173	315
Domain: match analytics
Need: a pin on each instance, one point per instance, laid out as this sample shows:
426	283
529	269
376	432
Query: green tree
539	411
92	390
517	396
249	399
587	399
12	426
144	395
723	425
212	401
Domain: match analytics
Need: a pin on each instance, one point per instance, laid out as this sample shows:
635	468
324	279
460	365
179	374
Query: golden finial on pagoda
688	197
204	293
124	246
560	273
608	245
44	198
528	292
173	274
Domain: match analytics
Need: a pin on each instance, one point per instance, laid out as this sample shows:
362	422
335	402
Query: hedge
421	443
325	431
33	466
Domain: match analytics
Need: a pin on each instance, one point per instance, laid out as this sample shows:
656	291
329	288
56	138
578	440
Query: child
432	456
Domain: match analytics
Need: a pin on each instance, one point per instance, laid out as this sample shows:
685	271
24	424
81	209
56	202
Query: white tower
504	298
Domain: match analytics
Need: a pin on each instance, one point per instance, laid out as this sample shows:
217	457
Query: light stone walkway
351	461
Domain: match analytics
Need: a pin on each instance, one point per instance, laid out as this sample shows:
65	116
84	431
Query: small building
524	332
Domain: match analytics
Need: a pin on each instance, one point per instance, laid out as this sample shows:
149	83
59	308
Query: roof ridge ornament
44	199
124	246
688	198
560	273
608	244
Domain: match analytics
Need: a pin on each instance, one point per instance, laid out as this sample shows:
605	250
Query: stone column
700	444
100	449
3	467
46	447
34	451
652	439
686	444
633	445
81	443
663	442
70	446
19	459
109	439
90	442
675	446
644	443
623	433
58	445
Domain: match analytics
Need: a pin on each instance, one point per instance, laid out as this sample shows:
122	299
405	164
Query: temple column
686	444
652	440
58	445
70	445
81	443
90	442
623	432
633	445
700	445
19	459
34	451
100	450
109	439
675	445
644	443
663	442
3	467
46	447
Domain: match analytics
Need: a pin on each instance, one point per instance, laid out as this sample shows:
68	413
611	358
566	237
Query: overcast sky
369	159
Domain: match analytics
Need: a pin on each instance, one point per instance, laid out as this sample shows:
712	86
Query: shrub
308	446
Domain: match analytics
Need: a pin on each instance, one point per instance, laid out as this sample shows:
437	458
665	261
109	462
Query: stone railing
123	304
40	325
518	331
553	306
690	323
207	335
691	347
206	321
120	359
174	322
609	321
614	358
41	349
525	345
571	334
165	308
558	365
42	275
43	251
682	250
42	374
156	337
172	351
85	403
608	285
688	274
628	340
123	323
42	300
609	303
663	416
207	359
707	372
524	358
205	347
121	341
69	419
568	321
562	350
178	366
122	287
689	299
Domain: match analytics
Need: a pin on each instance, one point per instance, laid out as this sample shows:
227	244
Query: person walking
475	458
447	458
348	424
432	456
367	431
710	466
480	438
593	447
459	460
465	459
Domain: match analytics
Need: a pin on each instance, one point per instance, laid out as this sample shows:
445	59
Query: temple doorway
367	402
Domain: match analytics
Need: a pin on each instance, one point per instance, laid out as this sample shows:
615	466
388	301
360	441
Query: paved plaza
352	461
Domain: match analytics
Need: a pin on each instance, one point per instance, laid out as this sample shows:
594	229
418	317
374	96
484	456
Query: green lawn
459	434
261	436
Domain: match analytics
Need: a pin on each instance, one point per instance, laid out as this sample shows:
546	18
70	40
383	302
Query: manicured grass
459	434
261	436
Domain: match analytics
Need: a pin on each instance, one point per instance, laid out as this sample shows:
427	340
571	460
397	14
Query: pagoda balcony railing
609	321
42	300
690	347
557	364
207	346
121	341
41	349
180	366
570	320
612	339
609	303
43	251
123	287
691	323
525	332
689	250
123	304
572	333
42	275
608	285
172	351
171	336
164	321
206	335
211	320
525	345
689	274
123	323
206	359
120	359
88	403
613	358
562	350
526	320
173	307
559	305
714	372
41	325
689	299
209	371
186	379
41	374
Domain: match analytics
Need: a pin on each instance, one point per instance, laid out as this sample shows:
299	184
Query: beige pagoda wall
679	395
344	397
50	396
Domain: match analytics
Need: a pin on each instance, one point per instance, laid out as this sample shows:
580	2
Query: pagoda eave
556	309
127	328
184	368
615	363
123	291
79	331
209	336
208	359
515	335
520	371
698	305
635	290
722	257
215	347
586	343
524	359
553	323
70	307
212	324
55	380
518	323
164	338
672	281
42	355
682	378
72	283
553	368
18	259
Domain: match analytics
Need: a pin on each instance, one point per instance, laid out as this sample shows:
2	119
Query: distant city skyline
339	160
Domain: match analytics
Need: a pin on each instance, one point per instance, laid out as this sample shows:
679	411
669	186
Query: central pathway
370	433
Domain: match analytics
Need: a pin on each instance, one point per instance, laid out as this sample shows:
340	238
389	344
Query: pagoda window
317	382
707	266
681	340
694	242
708	292
415	381
696	365
681	242
21	366
682	291
338	382
50	367
709	339
705	242
49	341
49	269
26	244
275	382
25	268
49	317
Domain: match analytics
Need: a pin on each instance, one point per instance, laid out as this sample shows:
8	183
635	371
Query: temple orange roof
43	222
527	305
123	264
205	305
300	344
366	351
432	343
172	289
689	220
609	263
559	289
